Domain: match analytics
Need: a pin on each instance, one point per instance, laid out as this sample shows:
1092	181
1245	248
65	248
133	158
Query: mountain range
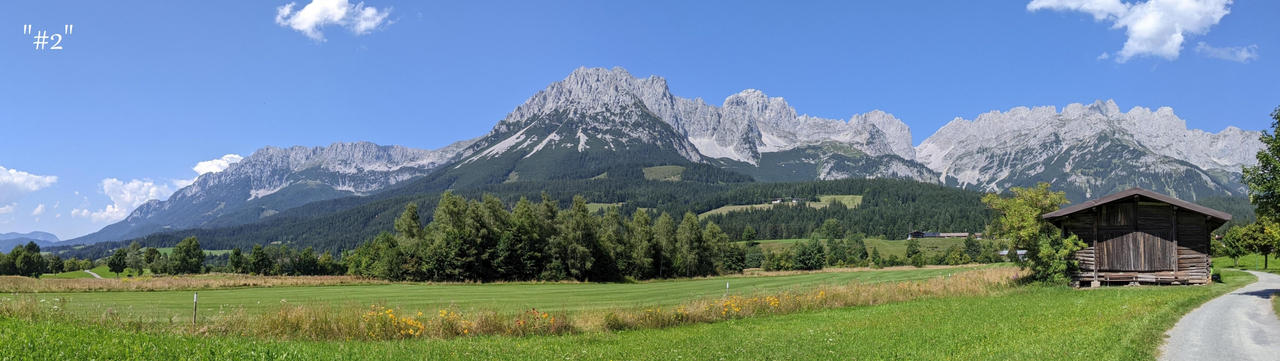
599	123
11	239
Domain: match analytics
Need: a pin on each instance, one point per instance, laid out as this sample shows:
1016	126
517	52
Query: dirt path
1240	325
95	275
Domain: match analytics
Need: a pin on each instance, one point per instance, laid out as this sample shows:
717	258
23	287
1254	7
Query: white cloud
1104	56
15	183
217	165
8	209
209	166
1239	54
125	197
1154	27
358	18
39	210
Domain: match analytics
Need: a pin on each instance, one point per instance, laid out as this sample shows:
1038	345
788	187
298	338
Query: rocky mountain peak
981	152
746	124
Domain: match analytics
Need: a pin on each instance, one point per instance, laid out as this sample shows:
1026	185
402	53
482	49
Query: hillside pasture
930	246
664	173
849	201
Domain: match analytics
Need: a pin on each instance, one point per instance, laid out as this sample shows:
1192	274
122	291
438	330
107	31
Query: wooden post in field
195	305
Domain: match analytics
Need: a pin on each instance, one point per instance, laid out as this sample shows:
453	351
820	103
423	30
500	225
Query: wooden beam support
1173	235
1096	218
1133	234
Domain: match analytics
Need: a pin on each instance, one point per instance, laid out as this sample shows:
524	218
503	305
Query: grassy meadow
929	246
100	270
1021	323
663	172
1250	261
158	306
850	201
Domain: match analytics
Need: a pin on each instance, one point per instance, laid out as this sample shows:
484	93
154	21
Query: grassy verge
1275	303
1030	323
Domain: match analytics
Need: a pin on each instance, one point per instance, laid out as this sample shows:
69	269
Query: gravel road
1240	325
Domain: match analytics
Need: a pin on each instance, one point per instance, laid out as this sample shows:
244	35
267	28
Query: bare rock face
744	127
1090	148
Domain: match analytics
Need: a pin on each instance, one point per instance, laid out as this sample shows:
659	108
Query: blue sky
143	91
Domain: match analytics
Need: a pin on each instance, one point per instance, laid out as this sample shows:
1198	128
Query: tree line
832	246
483	240
890	208
189	258
27	260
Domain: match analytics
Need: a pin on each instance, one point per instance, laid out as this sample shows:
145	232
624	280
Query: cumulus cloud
1239	54
209	166
125	197
15	183
1154	27
358	18
39	210
8	209
217	165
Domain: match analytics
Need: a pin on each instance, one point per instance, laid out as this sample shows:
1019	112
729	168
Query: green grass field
929	246
1027	323
596	207
1251	261
851	201
664	172
100	270
508	297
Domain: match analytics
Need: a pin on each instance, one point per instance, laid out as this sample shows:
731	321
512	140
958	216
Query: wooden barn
1139	236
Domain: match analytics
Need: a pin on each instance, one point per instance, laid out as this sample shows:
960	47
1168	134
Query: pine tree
972	248
837	252
685	257
662	247
409	225
748	233
571	247
913	247
857	248
716	251
639	241
235	262
831	229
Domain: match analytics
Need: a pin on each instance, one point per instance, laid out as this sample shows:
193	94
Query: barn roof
1220	215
